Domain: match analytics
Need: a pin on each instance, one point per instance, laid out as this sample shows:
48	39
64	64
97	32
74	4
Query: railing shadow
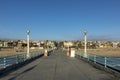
14	67
29	69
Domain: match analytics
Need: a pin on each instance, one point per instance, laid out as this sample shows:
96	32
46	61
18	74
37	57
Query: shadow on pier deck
58	66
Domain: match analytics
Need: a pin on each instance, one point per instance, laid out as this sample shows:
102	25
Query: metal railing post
88	57
24	57
17	59
4	62
105	62
95	59
78	54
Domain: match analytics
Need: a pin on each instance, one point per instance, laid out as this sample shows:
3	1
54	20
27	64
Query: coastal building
68	44
115	44
1	44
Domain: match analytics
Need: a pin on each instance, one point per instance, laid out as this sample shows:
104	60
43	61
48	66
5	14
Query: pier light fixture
85	44
28	42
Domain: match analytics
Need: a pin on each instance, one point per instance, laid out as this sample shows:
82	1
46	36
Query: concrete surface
58	66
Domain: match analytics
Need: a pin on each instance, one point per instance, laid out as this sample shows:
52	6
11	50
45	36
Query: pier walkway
58	66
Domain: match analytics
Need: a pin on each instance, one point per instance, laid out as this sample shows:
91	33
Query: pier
58	66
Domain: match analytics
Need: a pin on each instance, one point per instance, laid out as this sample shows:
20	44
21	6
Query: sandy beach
8	52
110	52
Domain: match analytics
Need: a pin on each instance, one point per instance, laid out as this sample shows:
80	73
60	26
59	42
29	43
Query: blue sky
60	19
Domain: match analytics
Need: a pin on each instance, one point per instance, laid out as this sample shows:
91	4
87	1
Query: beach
110	52
8	52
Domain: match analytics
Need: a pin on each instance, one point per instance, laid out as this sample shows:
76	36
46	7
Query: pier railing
6	61
110	62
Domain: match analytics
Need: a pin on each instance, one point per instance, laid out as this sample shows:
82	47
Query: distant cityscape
22	44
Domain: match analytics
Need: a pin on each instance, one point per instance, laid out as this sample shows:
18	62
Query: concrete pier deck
58	66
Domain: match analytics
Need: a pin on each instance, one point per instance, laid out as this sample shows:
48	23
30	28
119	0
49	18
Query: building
68	44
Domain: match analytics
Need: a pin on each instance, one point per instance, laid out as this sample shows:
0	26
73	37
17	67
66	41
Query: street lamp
28	47
85	44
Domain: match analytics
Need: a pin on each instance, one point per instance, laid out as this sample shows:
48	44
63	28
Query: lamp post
28	47
85	44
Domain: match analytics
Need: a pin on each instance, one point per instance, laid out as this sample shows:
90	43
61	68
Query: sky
60	19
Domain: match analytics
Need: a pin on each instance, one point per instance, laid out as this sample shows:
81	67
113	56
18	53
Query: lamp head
28	31
85	32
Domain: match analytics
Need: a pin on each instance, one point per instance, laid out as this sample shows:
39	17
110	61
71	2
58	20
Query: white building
115	44
68	44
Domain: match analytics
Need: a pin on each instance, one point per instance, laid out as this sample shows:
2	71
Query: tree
61	44
80	45
10	44
109	44
24	45
55	43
